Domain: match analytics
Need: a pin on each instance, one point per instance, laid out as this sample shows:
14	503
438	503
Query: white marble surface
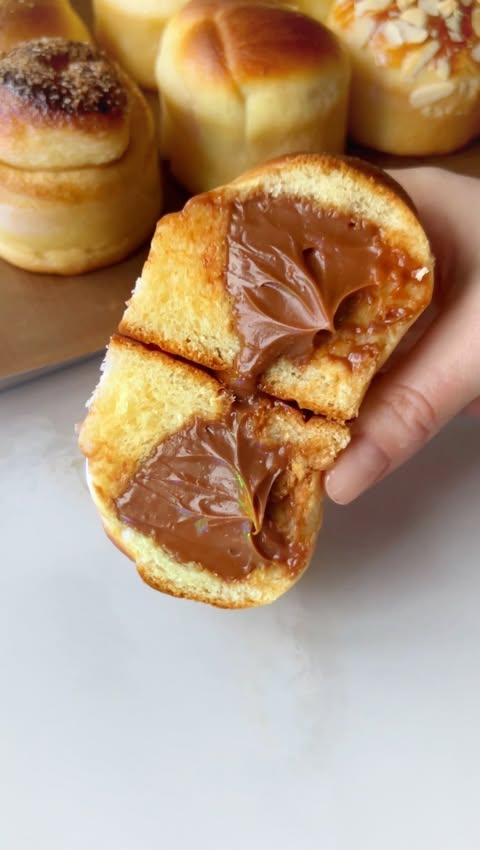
344	717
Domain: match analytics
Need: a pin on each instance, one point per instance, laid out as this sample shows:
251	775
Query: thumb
405	407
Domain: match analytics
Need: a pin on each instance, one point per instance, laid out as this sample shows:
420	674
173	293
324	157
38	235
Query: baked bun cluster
131	30
415	72
23	20
242	82
262	313
79	180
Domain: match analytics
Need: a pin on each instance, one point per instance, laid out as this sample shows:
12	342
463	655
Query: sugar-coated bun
62	105
291	284
131	30
241	82
415	72
23	20
79	181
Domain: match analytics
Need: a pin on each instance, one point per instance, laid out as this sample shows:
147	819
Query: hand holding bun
415	72
79	182
23	20
291	284
433	380
242	82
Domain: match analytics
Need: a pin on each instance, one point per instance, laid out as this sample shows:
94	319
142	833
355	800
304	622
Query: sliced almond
365	6
454	22
363	30
411	34
414	62
429	6
475	54
419	274
466	2
392	33
431	93
404	4
415	16
447	8
476	21
443	68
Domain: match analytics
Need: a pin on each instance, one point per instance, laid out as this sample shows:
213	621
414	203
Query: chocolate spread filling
203	495
290	266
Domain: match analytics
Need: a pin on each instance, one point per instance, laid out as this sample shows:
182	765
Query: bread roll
227	468
242	82
415	72
131	30
79	181
23	20
310	268
350	229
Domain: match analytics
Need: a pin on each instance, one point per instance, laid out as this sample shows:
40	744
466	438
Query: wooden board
48	321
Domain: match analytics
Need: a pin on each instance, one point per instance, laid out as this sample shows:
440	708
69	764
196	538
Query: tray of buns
106	188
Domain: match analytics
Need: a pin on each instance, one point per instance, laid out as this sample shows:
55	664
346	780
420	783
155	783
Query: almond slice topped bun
415	72
262	314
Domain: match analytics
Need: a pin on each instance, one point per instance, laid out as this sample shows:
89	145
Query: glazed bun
241	82
415	72
131	30
79	182
262	313
23	20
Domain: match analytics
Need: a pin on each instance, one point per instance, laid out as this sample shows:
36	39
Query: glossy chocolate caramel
290	266
204	496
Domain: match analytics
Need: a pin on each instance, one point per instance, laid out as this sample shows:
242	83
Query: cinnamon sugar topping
66	77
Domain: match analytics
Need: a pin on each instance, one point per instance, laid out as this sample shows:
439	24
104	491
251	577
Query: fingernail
361	466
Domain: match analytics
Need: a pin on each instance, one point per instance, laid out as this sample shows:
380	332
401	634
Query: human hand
440	375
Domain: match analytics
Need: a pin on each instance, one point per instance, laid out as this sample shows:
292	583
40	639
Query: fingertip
357	469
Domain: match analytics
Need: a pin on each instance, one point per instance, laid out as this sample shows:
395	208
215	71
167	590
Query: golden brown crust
61	82
63	104
241	82
244	40
23	20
